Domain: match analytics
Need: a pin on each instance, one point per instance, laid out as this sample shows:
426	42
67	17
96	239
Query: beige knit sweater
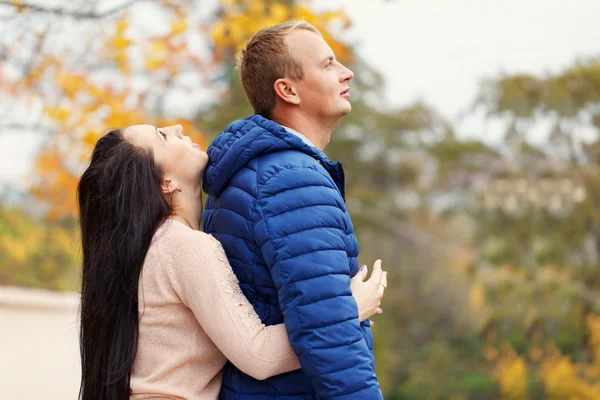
193	317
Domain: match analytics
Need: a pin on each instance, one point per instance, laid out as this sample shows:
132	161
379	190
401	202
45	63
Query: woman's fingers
376	274
383	280
362	273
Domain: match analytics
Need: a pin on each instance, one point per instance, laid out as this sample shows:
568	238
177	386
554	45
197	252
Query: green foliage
36	252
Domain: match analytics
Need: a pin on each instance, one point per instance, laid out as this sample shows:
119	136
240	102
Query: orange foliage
241	19
86	107
55	184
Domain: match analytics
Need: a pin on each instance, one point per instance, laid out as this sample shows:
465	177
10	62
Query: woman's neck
187	207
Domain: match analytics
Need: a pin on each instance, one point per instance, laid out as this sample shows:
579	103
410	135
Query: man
276	203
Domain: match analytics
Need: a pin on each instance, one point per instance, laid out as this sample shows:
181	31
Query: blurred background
471	158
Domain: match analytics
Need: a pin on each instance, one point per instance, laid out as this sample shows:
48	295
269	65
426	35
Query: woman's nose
178	130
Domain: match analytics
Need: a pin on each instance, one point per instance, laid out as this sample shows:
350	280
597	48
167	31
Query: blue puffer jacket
276	205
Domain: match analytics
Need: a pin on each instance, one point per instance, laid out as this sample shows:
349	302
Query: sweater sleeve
205	282
302	235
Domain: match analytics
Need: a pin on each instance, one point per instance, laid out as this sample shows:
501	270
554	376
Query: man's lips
345	92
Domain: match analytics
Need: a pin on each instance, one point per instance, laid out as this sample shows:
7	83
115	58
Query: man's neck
319	134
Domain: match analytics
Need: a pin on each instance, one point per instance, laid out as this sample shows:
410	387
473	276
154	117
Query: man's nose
347	74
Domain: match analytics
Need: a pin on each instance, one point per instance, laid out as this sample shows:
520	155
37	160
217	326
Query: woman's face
180	159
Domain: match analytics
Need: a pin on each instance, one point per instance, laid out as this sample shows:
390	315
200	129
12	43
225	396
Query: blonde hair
267	58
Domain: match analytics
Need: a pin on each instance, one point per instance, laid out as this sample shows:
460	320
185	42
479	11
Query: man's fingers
372	323
376	274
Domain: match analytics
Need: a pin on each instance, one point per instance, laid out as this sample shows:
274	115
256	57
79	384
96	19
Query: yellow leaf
57	113
121	43
15	249
122	25
219	34
279	12
159	46
511	374
179	26
94	91
90	138
153	63
123	62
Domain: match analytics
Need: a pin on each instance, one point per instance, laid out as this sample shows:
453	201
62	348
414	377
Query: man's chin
346	108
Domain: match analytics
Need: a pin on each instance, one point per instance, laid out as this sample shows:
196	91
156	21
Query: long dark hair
120	207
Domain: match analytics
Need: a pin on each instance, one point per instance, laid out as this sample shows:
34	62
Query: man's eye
162	133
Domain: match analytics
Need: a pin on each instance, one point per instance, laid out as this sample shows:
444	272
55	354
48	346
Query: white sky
438	51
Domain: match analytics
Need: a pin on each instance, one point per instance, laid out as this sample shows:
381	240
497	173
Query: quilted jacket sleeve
302	234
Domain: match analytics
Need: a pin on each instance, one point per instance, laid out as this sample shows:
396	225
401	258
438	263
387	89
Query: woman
161	310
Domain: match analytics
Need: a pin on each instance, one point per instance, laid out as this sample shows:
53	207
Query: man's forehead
306	41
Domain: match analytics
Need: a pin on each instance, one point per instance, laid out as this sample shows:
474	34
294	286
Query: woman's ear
286	91
169	186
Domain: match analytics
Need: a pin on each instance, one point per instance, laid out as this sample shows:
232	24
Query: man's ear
169	186
286	91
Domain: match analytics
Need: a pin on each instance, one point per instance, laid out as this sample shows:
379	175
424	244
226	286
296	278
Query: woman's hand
368	294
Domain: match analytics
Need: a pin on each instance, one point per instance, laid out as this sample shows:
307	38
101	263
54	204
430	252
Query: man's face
324	90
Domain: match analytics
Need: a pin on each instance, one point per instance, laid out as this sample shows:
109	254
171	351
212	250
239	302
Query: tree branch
68	13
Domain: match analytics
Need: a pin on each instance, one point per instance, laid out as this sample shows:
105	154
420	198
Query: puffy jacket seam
301	187
341	370
289	167
320	276
241	189
341	345
313	327
236	213
351	393
310	229
314	251
308	303
310	205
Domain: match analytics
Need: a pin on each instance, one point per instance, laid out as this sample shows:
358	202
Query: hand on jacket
368	294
